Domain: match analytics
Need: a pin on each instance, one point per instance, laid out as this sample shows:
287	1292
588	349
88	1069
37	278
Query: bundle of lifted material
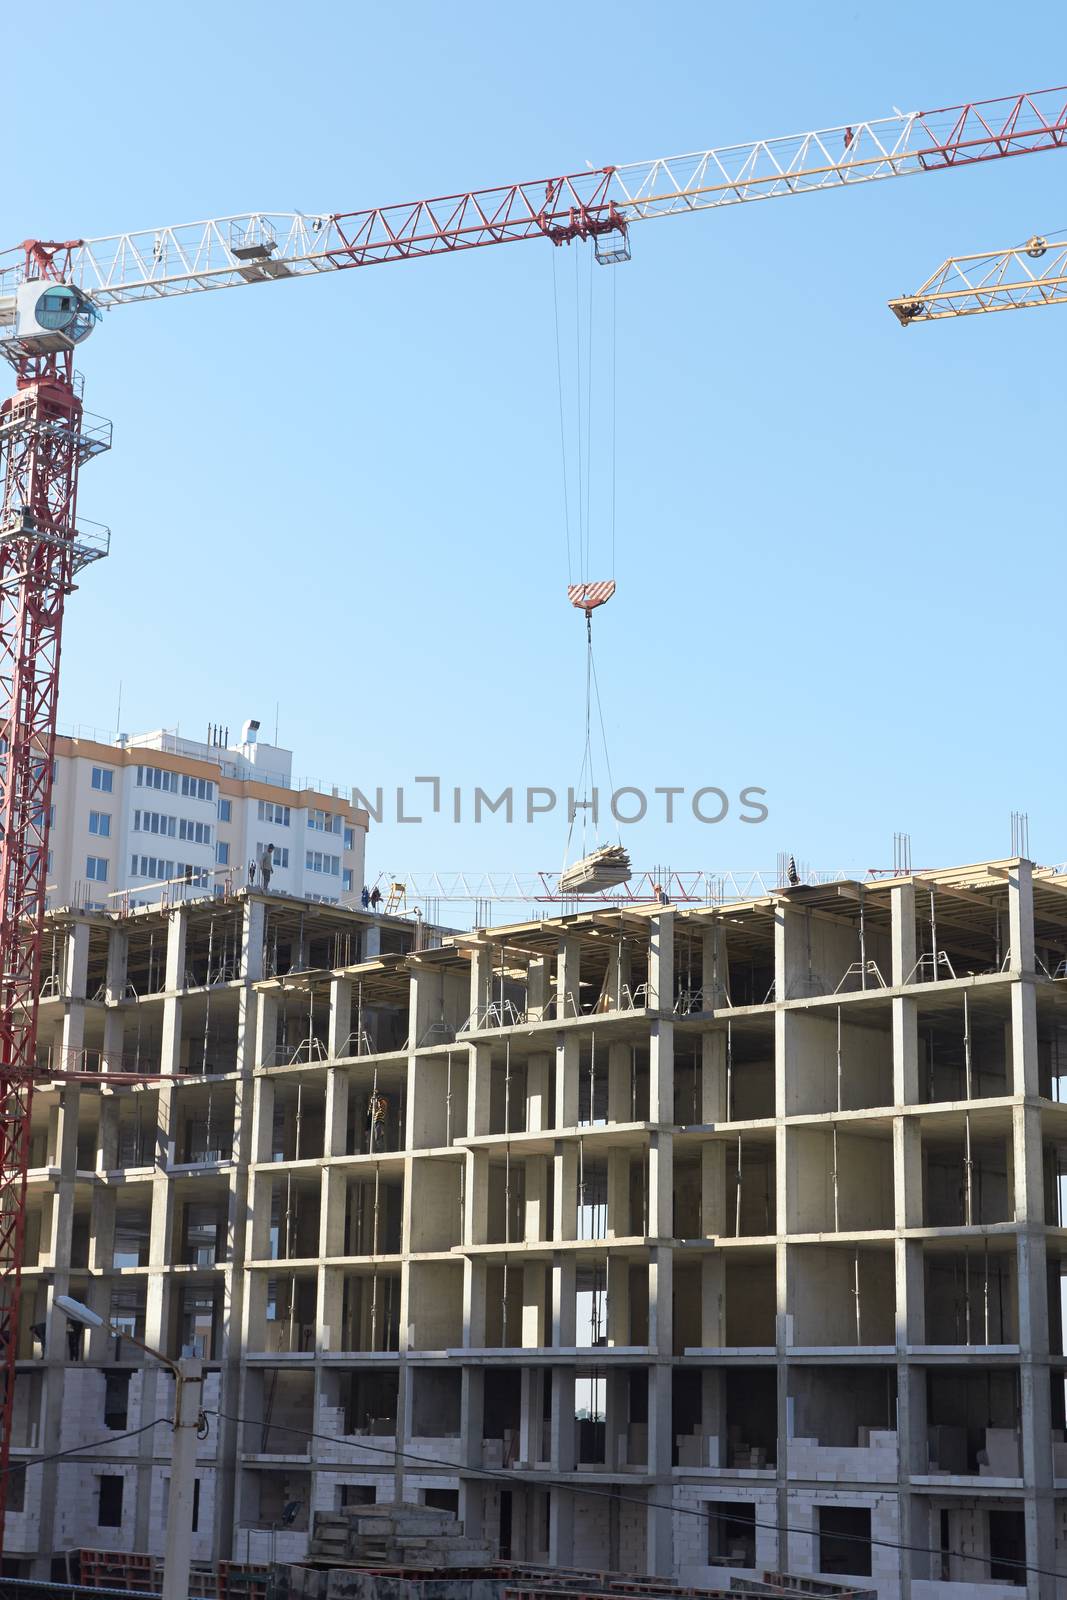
605	868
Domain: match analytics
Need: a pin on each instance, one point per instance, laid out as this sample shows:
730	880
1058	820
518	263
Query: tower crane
52	297
1032	274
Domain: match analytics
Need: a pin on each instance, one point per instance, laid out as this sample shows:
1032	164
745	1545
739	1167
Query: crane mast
45	441
49	302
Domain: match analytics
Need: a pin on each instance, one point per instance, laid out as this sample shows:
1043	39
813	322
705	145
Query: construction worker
377	1111
266	866
375	898
252	873
364	898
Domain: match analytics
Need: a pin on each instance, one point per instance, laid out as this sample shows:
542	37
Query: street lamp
188	1386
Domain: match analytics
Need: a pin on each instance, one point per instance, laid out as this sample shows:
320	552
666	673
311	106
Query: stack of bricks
396	1535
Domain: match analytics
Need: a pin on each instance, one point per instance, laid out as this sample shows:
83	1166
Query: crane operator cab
42	318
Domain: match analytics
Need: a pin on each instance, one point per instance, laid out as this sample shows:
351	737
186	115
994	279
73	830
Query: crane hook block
587	596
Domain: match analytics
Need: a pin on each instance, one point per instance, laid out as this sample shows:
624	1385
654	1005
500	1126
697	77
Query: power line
538	1481
75	1449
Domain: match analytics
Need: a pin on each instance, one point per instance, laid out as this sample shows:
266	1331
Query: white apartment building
153	810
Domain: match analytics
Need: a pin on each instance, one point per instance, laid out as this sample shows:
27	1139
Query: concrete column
620	1092
908	1173
476	1209
618	1300
1034	1407
562	1432
530	1415
713	1221
174	983
118	950
533	1307
537	1222
1024	1062
474	1303
568	976
564	1319
472	1429
1021	916
661	1072
336	1130
660	1185
75	972
616	1419
481	983
561	1528
715	974
114	992
539	989
565	1190
905	1053
262	1120
713	1300
617	977
479	1079
567	1070
904	953
339	1025
713	1075
253	933
619	1222
659	1557
538	1087
266	1027
1027	1165
660	1300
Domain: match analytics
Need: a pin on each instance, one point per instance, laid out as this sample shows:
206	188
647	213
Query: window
196	1505
194	832
346	880
157	778
197	876
316	861
361	1494
222	854
103	779
845	1540
197	788
350	838
151	867
281	854
324	822
1007	1547
96	869
225	810
16	1488
117	1399
109	1512
155	822
270	811
731	1533
100	823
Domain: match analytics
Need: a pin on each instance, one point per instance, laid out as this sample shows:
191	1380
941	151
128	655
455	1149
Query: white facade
155	815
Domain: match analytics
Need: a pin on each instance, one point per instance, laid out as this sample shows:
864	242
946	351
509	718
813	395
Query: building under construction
694	1241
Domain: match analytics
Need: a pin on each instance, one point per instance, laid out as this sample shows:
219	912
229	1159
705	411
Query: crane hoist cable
586	594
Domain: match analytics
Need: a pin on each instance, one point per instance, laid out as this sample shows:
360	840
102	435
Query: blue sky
839	545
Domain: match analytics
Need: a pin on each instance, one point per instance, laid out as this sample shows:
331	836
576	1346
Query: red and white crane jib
256	247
